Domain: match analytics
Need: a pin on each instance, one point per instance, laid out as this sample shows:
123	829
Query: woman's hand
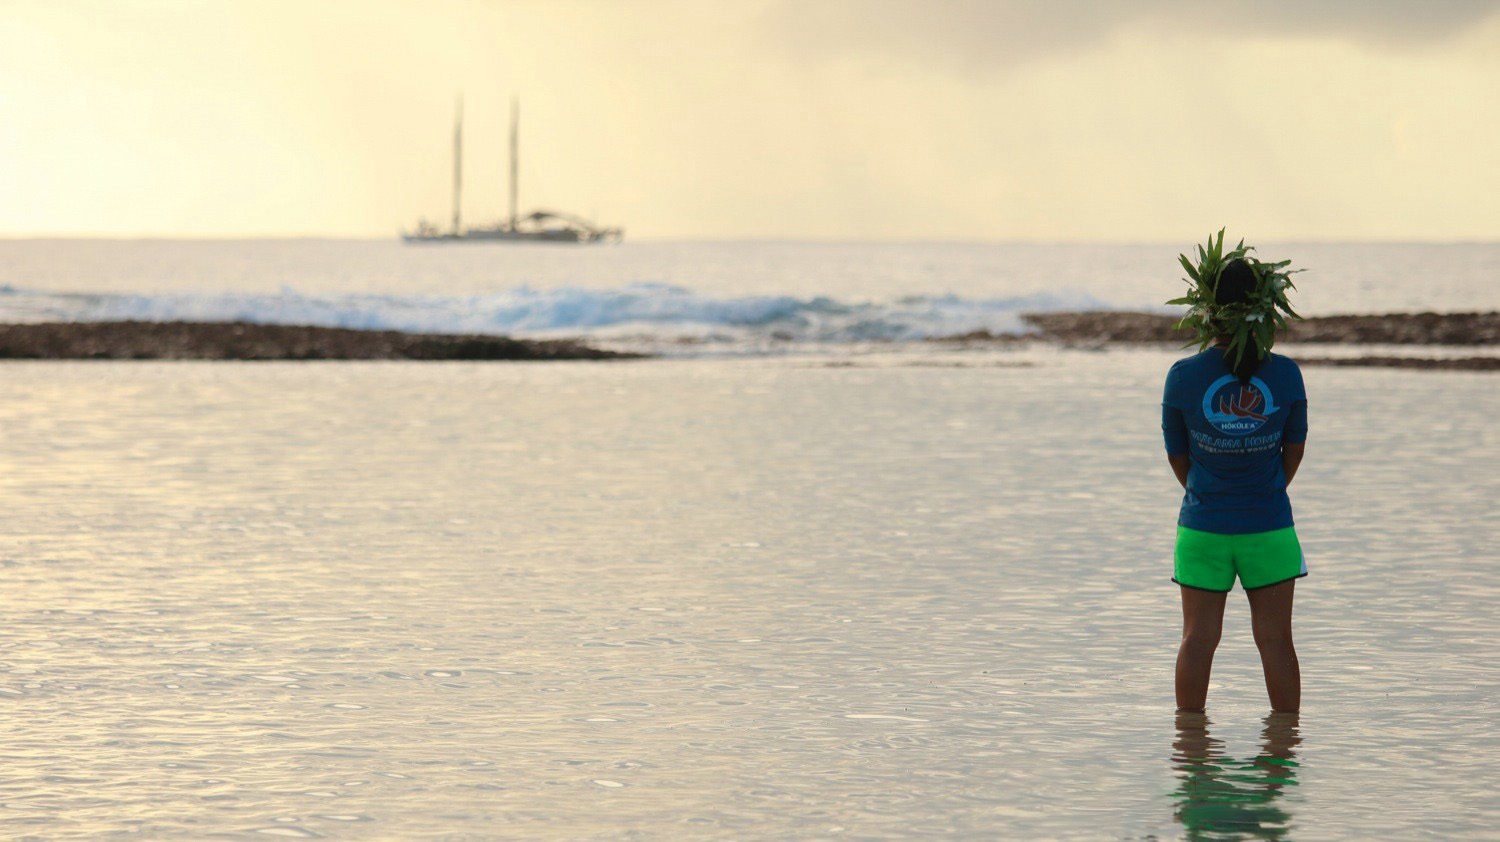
1180	463
1291	457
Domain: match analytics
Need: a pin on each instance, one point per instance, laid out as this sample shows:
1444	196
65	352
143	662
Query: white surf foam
659	311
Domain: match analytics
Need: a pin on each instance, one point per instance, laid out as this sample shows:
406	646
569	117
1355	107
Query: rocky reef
1427	363
1385	329
130	340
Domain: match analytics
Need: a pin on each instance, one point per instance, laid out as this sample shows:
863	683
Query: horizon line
662	240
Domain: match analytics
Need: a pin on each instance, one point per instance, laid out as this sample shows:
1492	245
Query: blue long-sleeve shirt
1233	434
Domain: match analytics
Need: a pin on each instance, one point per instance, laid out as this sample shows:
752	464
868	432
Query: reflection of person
1218	795
1235	430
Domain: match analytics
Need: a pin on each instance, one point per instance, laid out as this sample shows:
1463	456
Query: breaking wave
655	311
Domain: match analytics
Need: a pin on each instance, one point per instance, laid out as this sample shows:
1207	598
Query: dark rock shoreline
133	340
1428	363
244	341
1386	329
1097	328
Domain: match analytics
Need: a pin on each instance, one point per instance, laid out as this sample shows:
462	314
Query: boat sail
537	226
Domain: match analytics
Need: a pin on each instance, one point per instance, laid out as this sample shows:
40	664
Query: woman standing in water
1234	417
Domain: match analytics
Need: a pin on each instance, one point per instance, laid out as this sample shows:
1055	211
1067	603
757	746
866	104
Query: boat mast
458	166
515	144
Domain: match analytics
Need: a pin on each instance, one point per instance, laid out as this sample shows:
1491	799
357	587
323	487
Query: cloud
984	35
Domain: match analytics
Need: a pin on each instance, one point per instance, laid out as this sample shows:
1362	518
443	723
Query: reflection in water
1219	797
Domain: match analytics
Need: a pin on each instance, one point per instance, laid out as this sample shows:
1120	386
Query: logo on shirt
1235	409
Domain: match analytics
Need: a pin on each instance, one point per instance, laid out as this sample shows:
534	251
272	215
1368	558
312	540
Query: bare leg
1202	622
1271	619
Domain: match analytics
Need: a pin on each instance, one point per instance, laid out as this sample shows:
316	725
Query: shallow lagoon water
899	596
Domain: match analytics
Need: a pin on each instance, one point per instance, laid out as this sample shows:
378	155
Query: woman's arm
1180	464
1294	436
1291	457
1175	434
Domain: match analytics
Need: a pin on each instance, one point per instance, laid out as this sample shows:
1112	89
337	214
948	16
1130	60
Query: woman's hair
1236	282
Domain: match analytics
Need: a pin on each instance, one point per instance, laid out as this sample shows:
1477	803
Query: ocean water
688	298
904	596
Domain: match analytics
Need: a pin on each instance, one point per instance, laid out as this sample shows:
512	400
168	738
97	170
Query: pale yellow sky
966	119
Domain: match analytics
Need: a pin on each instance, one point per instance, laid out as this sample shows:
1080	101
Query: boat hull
492	235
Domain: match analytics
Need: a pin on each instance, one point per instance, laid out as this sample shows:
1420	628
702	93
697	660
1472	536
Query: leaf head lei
1264	311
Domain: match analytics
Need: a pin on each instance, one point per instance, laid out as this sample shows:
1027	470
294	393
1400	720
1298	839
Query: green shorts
1209	561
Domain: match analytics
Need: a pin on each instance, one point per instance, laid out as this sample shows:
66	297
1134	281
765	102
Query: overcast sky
851	119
